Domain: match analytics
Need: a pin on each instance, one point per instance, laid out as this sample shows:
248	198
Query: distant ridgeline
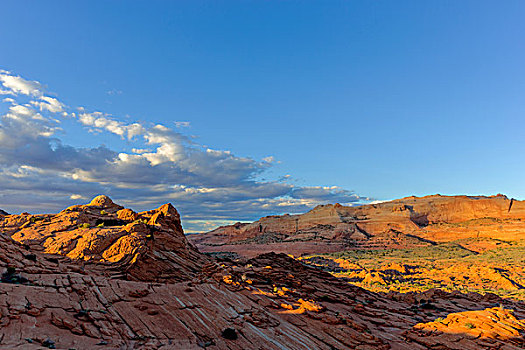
407	222
103	276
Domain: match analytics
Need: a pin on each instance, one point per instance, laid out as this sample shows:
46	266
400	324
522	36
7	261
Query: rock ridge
407	222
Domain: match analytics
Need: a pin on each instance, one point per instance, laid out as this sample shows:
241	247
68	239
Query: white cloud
18	85
207	185
100	120
182	124
140	150
377	201
49	103
114	92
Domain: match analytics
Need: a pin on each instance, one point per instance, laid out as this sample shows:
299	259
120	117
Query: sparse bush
229	333
31	257
439	319
10	276
34	219
103	212
84	225
100	225
469	325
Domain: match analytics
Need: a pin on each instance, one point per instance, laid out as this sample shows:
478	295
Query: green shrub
103	212
469	325
84	225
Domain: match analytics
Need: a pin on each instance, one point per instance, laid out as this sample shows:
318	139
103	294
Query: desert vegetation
447	266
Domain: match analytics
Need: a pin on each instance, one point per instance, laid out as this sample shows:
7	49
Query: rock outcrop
102	276
407	222
493	327
147	246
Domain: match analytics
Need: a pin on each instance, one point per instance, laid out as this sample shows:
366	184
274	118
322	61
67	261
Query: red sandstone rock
484	329
402	223
113	287
127	215
101	231
103	202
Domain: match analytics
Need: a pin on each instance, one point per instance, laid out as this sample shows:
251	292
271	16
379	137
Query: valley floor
498	268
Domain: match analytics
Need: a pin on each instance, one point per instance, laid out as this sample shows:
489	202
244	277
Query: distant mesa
402	223
3	213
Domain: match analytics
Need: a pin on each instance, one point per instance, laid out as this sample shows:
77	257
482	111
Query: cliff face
406	222
102	276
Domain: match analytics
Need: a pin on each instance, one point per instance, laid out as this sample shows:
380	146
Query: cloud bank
209	187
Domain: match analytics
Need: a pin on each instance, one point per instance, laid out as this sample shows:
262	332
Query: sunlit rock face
103	276
403	223
103	202
147	246
490	326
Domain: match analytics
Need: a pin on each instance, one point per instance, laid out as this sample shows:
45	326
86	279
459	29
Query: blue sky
381	99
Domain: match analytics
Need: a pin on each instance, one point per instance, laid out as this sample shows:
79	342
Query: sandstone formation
100	276
491	327
298	290
407	222
141	246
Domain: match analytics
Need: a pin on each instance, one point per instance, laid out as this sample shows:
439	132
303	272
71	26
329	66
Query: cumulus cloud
76	196
100	120
210	187
49	103
18	85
